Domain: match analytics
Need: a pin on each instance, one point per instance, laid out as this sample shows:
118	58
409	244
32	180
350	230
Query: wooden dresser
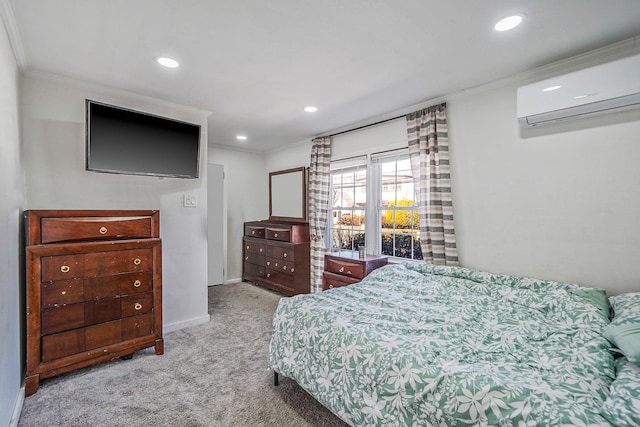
345	268
94	288
276	255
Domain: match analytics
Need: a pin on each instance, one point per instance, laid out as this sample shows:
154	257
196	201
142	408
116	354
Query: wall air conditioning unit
599	89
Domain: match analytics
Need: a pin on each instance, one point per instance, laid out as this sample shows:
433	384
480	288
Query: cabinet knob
284	267
260	249
268	262
268	274
285	254
341	270
246	258
137	261
247	247
253	232
330	286
292	269
137	306
275	234
137	284
103	230
65	269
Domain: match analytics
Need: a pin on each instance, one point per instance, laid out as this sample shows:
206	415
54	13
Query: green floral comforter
417	344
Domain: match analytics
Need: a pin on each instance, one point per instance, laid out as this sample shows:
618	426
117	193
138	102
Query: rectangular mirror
288	195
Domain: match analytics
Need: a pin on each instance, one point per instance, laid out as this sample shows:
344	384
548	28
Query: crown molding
6	11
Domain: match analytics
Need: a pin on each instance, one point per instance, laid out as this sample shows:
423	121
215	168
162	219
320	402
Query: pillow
622	407
596	296
624	330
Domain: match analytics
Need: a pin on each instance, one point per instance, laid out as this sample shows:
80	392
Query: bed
419	344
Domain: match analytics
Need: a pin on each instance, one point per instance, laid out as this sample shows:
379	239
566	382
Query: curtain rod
444	104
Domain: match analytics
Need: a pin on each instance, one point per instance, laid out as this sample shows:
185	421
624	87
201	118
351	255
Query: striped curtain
319	181
429	154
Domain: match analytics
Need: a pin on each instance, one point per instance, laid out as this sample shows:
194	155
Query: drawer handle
330	286
65	269
137	306
137	284
246	258
260	249
268	274
292	269
247	247
137	261
341	270
253	232
284	267
285	254
103	230
275	234
268	262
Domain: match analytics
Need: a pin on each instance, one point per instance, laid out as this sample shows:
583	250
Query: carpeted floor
210	375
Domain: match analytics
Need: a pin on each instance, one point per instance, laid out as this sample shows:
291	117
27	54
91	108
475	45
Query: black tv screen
130	142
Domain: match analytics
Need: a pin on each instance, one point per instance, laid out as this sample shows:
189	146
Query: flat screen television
130	142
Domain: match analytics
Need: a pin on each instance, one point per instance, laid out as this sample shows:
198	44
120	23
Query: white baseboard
228	282
186	323
17	408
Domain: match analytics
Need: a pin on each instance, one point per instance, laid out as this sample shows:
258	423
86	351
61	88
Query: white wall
11	204
246	196
558	203
53	114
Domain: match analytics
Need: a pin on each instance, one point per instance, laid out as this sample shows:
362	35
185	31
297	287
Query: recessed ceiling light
310	109
165	61
509	23
550	88
241	137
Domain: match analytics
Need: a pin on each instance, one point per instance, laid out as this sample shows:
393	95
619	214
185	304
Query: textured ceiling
255	64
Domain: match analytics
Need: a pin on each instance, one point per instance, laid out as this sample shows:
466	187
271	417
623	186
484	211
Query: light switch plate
190	201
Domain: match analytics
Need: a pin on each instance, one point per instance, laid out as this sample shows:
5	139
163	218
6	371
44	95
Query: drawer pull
137	261
260	249
137	284
285	254
103	230
253	232
247	247
275	234
65	269
284	267
268	262
292	269
246	258
330	286
268	274
137	306
341	270
63	292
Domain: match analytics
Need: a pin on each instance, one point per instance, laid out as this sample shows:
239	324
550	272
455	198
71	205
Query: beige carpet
210	375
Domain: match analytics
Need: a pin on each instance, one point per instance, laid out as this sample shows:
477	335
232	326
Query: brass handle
284	267
246	258
330	286
65	269
137	261
137	306
292	269
260	249
247	247
285	254
268	262
276	264
137	284
341	270
275	234
253	232
103	230
268	274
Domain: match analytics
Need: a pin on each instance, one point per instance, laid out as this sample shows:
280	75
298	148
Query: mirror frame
303	190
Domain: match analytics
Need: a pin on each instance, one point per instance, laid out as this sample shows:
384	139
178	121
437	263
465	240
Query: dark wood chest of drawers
346	268
94	288
276	256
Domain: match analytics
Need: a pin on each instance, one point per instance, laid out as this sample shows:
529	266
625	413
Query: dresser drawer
330	281
254	231
282	252
61	293
103	335
94	228
62	267
280	277
105	263
63	344
345	268
137	304
254	247
137	326
283	266
281	234
62	318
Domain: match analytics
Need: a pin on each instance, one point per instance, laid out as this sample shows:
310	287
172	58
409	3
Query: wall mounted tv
130	142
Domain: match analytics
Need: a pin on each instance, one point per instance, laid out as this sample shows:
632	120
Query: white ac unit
602	88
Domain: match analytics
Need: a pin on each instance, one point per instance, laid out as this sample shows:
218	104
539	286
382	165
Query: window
374	192
397	209
348	204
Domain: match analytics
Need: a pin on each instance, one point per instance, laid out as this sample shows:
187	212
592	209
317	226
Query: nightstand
345	268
